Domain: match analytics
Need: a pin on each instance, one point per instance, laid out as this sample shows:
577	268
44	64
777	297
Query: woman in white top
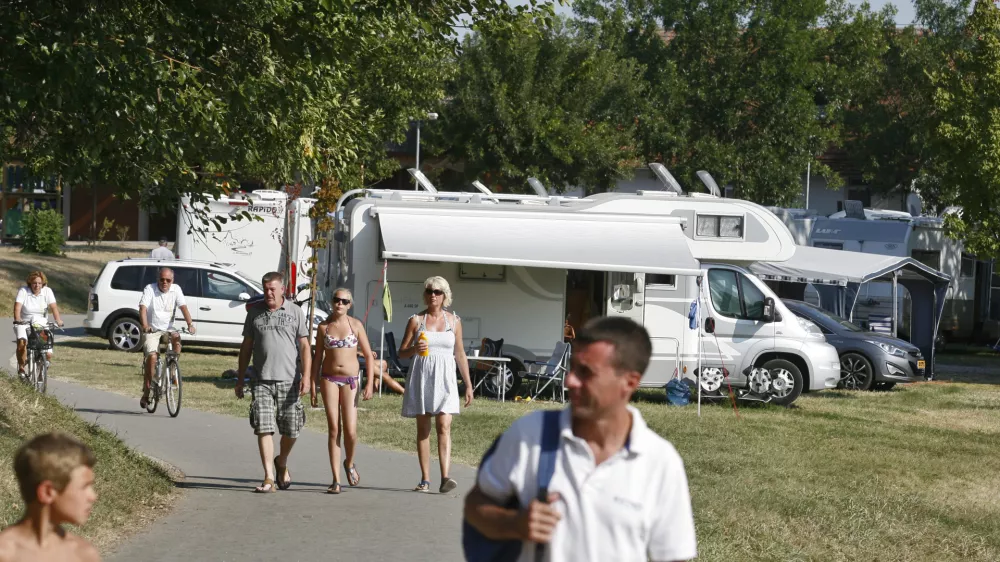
434	340
32	304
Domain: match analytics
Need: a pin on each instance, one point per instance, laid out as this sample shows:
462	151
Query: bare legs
339	405
265	444
443	426
22	354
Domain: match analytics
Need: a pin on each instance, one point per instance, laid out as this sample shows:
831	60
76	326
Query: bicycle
40	342
167	379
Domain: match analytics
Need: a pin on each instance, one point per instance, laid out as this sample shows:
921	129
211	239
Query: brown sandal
261	489
279	472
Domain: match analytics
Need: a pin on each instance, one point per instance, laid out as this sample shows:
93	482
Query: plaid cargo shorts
276	408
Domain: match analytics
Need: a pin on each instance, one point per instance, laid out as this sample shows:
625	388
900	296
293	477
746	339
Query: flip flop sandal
447	485
269	484
334	488
143	402
423	486
353	478
280	471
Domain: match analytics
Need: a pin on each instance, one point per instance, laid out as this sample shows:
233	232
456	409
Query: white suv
216	297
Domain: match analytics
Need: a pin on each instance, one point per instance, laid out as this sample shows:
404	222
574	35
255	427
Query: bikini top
350	341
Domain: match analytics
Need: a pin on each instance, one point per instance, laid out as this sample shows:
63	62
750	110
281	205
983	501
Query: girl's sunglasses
344	302
435	292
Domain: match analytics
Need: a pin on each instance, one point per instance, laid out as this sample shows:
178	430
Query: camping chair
392	356
482	371
551	372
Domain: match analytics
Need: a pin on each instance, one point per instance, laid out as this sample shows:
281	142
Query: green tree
890	125
161	98
734	87
548	102
968	99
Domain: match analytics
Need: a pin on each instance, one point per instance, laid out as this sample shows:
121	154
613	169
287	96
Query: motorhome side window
660	280
719	226
734	295
929	258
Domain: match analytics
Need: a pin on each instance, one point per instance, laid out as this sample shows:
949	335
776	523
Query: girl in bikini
336	360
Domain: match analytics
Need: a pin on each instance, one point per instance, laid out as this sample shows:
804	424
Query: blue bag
693	315
678	393
477	547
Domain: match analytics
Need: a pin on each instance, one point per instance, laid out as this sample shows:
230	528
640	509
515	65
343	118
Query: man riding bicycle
157	308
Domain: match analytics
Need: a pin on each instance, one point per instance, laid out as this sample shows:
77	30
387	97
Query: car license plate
921	364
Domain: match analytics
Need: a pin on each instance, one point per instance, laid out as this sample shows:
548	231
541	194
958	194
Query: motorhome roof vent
664	175
645	193
538	187
707	179
422	180
854	209
914	205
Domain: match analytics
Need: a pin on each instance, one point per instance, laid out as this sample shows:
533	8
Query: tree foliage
968	99
549	102
159	98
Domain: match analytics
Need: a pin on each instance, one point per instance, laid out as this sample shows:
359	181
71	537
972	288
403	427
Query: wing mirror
768	310
710	325
244	296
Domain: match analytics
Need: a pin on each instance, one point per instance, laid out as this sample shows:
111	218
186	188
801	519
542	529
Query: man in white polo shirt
618	491
157	307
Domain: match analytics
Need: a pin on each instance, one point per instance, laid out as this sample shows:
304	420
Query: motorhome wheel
786	381
711	379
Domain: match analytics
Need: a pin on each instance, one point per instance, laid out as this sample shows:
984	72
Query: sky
904	8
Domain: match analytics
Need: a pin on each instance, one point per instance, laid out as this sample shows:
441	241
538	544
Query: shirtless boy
56	477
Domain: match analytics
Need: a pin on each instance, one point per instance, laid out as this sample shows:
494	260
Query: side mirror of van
244	296
768	310
710	325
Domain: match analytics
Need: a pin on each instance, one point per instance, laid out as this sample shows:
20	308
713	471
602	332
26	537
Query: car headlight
888	348
811	329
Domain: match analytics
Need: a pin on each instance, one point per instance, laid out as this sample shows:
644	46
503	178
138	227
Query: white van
518	264
275	240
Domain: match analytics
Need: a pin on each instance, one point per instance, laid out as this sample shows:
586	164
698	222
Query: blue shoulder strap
550	448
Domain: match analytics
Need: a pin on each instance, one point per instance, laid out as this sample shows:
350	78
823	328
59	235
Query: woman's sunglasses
435	292
344	302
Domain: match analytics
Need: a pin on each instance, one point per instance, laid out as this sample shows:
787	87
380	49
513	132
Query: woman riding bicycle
31	306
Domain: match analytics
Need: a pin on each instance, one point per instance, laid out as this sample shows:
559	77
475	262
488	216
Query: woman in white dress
434	340
32	305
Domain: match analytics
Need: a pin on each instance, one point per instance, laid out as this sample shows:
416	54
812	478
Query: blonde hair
34	274
50	456
438	282
343	290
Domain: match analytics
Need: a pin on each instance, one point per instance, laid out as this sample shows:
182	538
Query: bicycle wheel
42	374
172	384
29	369
154	388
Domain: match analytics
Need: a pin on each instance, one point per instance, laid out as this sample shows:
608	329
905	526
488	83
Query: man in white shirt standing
161	252
618	491
157	307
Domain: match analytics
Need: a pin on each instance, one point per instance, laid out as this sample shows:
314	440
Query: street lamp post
430	117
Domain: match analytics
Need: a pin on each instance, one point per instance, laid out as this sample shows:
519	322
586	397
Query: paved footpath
218	518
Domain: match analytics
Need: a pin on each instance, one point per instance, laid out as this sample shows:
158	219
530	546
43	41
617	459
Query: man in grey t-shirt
276	335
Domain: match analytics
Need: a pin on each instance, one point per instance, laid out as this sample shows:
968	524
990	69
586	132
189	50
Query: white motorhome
518	265
275	239
900	233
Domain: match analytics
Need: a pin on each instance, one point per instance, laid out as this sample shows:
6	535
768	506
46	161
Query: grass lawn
132	489
69	275
912	474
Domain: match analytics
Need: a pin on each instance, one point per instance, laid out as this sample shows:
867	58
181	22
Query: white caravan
899	233
275	240
518	264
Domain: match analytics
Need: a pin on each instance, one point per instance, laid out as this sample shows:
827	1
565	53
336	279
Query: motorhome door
737	306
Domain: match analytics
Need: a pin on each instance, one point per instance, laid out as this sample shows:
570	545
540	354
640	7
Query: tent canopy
839	274
840	267
537	238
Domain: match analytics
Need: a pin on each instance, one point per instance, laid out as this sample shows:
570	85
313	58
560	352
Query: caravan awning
840	267
532	237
